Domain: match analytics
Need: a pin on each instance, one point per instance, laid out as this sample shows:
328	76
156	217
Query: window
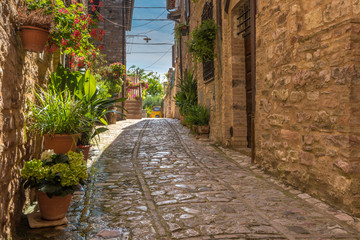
208	66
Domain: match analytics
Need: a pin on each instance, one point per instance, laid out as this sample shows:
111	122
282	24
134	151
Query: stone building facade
20	71
117	20
286	85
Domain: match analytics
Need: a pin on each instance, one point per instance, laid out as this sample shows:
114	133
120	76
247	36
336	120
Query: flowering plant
74	30
55	174
114	74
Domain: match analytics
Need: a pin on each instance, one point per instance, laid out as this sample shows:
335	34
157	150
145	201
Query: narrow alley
155	181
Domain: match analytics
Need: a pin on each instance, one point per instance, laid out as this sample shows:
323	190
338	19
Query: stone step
133	116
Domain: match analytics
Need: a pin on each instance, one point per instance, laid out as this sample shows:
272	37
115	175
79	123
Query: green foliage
84	88
202	41
74	30
152	79
186	97
55	113
178	30
198	116
151	101
55	174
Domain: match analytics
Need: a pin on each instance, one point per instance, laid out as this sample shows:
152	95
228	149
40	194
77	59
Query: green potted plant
202	42
199	117
35	22
181	29
95	104
58	117
55	177
186	97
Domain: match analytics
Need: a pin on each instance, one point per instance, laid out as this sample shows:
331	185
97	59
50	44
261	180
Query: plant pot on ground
55	177
55	115
35	28
203	129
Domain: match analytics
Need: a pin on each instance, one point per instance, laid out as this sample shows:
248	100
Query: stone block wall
114	26
19	72
307	102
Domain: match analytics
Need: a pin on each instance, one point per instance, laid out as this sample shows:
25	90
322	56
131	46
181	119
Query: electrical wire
159	59
156	29
158	44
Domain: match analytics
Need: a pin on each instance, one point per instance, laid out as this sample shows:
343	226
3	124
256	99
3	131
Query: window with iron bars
208	66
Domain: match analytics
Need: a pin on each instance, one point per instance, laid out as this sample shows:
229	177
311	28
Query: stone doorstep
35	221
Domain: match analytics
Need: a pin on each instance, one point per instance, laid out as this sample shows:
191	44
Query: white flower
47	154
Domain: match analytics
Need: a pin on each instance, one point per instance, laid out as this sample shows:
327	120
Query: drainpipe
253	75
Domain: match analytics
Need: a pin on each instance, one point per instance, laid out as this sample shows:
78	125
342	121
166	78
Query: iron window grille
208	65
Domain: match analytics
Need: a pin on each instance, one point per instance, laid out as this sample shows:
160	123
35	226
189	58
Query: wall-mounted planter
184	30
33	38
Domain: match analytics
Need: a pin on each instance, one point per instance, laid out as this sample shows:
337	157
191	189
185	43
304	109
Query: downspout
253	75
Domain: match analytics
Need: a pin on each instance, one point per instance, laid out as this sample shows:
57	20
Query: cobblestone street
155	181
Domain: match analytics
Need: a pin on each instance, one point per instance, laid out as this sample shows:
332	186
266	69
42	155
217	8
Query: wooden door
248	86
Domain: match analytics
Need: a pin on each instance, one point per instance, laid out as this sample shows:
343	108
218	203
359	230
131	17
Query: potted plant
181	29
58	117
199	117
94	102
55	177
202	42
35	23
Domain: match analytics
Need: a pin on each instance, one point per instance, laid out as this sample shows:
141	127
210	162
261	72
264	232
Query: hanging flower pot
34	38
184	30
54	208
61	143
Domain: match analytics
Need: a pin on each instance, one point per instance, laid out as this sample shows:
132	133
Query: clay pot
111	118
85	150
203	129
34	38
61	143
54	208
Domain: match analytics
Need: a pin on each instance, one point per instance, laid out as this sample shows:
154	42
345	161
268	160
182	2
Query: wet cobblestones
157	182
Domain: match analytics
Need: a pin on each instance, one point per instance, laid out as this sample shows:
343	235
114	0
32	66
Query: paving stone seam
158	223
281	187
278	227
349	226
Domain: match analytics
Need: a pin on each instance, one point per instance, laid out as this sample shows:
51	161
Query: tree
153	79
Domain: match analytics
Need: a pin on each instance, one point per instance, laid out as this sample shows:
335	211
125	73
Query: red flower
77	34
91	1
101	32
64	42
93	33
101	18
93	8
100	4
101	47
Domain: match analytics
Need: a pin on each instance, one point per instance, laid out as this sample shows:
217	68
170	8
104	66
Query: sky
158	57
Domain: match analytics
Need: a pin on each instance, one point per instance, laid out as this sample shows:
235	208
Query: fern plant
198	115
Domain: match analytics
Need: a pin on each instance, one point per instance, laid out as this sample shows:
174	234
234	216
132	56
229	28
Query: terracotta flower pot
53	208
111	118
203	129
85	150
34	38
61	143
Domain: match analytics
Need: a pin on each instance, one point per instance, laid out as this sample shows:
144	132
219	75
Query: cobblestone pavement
157	182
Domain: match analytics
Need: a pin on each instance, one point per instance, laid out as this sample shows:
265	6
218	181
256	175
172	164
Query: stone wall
307	111
114	26
19	72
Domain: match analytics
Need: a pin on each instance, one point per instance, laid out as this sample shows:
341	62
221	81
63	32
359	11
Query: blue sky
160	61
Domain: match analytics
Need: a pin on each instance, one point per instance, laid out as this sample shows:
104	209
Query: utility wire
150	43
159	58
156	29
151	19
144	52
